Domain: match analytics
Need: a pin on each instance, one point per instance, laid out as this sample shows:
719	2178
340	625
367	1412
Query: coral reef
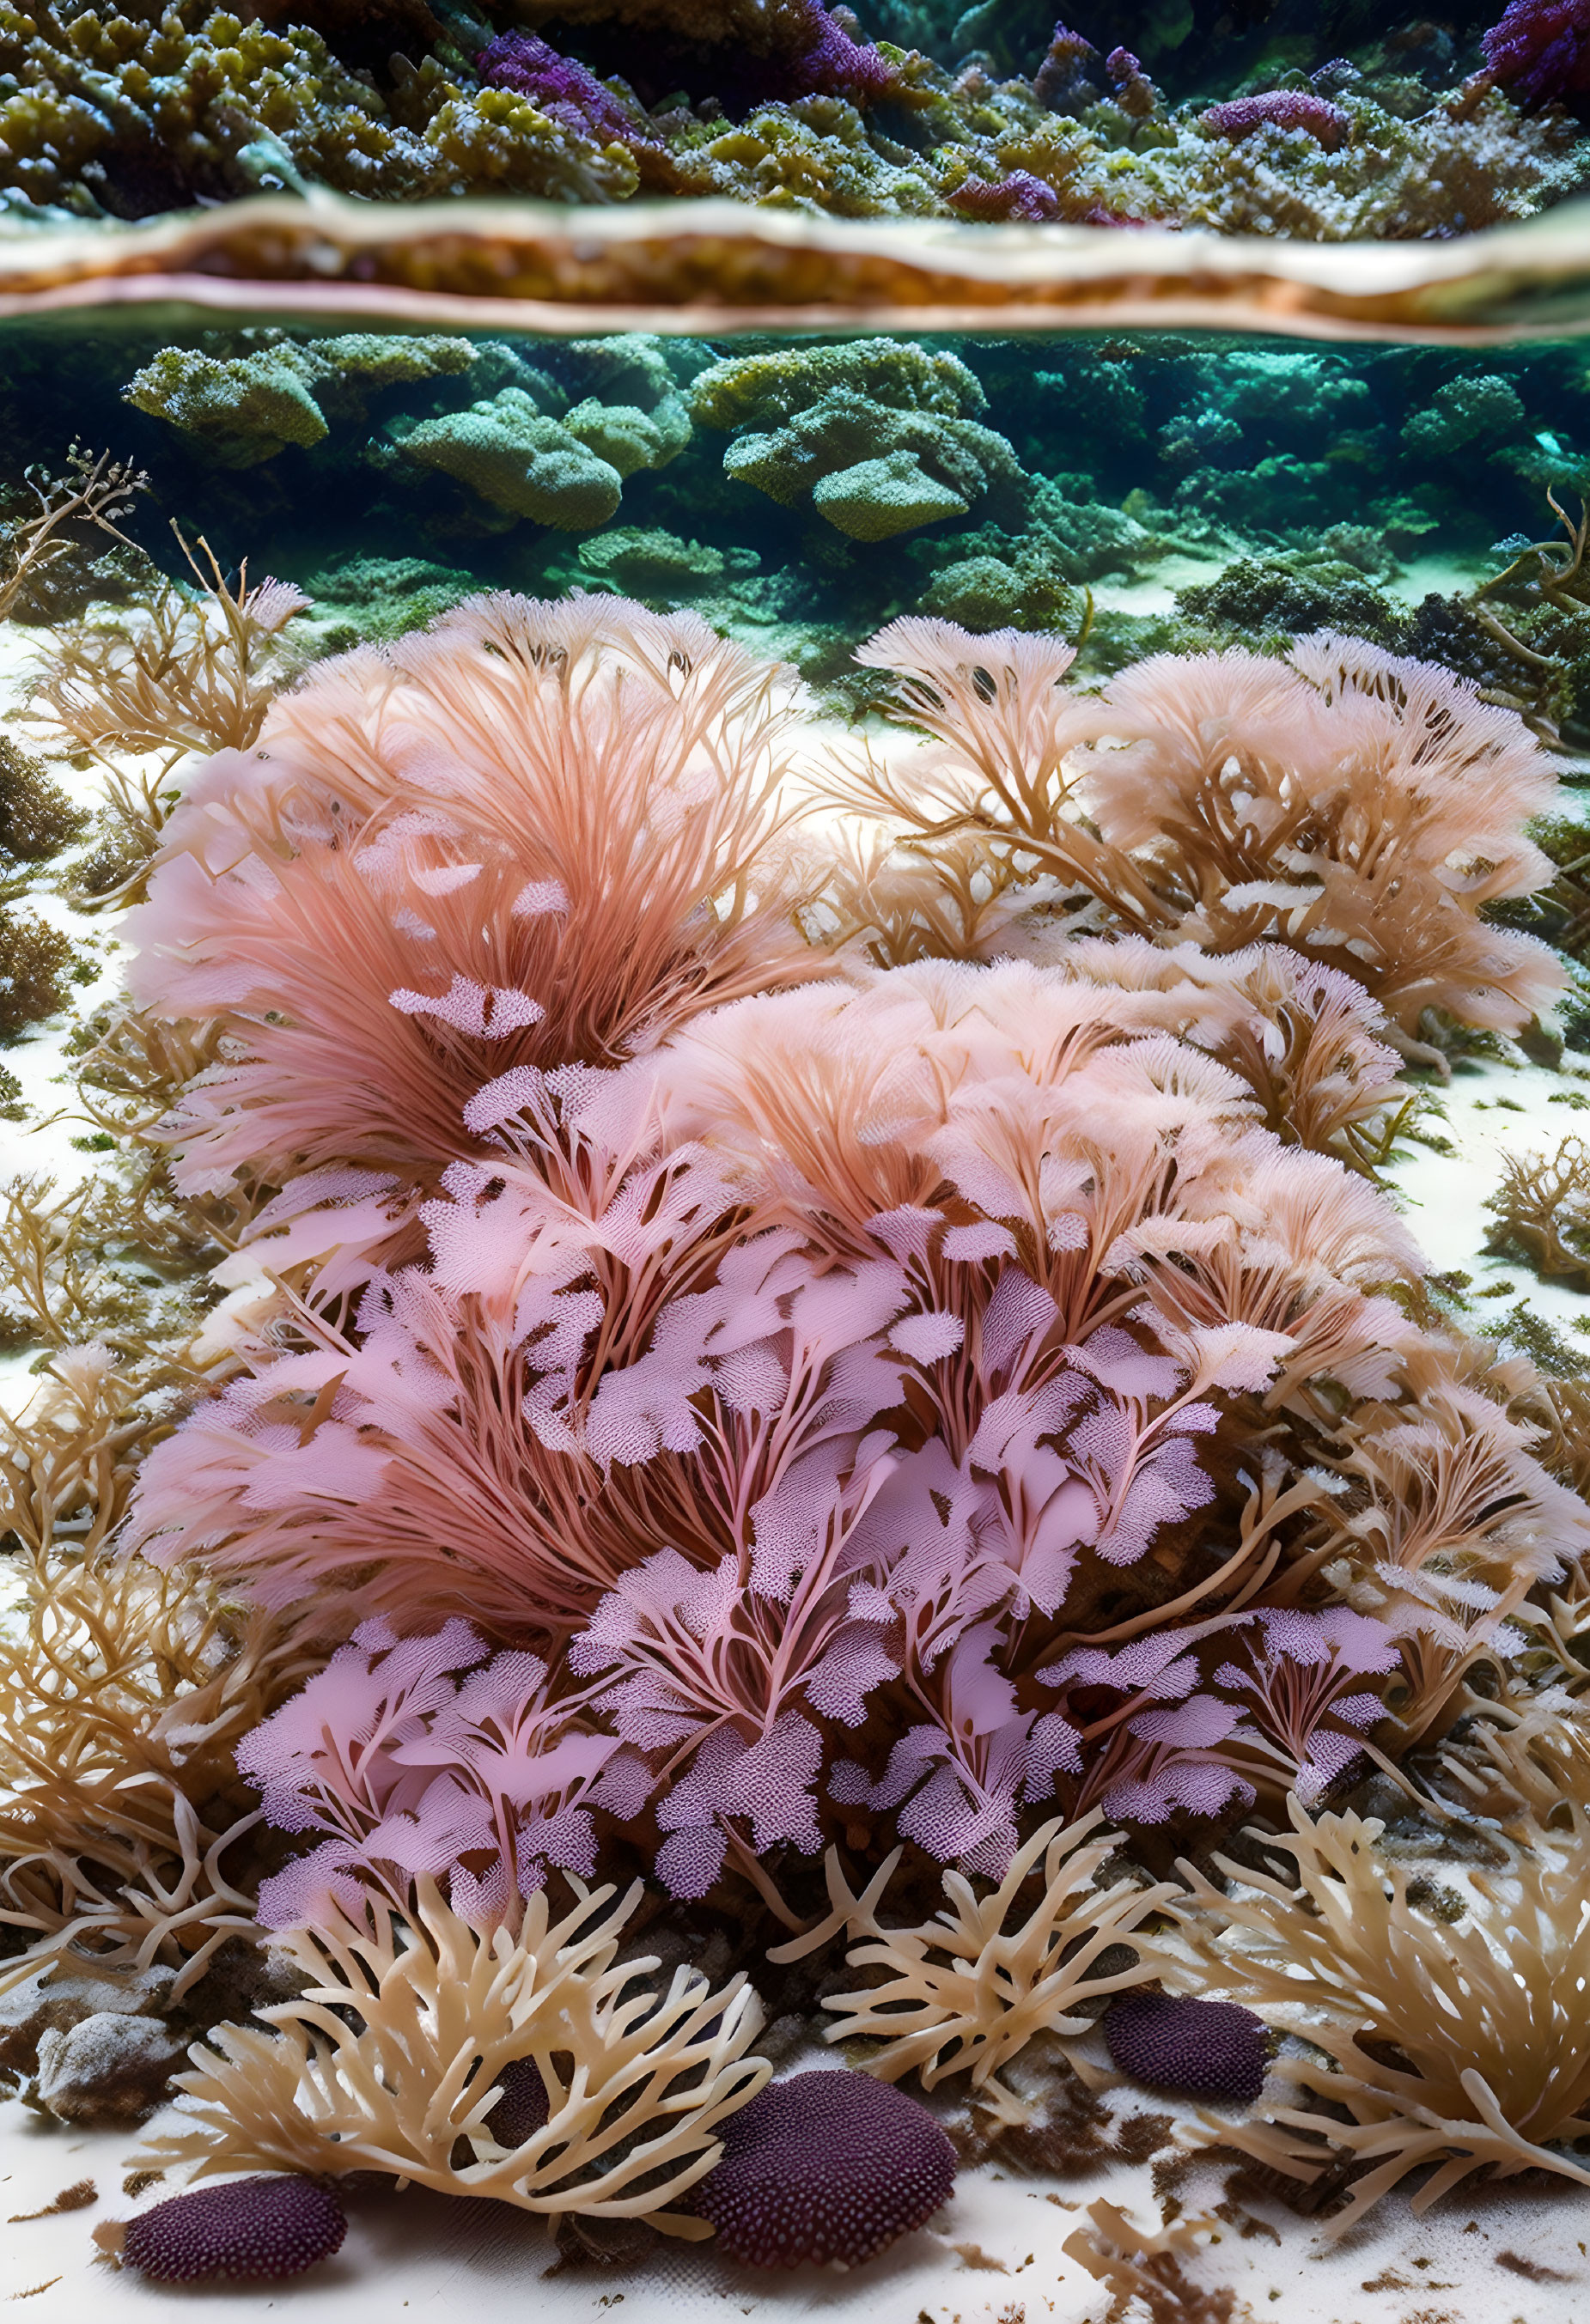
710	1281
790	105
861	1374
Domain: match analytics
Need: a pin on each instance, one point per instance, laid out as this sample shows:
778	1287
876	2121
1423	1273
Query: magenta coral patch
529	67
1018	196
837	65
829	2167
1189	2049
263	2227
1541	48
1281	108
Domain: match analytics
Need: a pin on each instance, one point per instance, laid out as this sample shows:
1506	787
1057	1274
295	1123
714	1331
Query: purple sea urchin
830	2167
261	2227
523	2107
1190	2048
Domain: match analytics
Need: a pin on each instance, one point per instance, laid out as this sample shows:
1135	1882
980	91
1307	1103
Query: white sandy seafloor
991	2255
1494	2255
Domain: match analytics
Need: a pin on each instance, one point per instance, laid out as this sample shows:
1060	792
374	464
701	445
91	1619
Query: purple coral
1133	90
264	2227
830	2167
1540	50
1281	108
1189	2048
1061	81
835	65
1018	195
568	90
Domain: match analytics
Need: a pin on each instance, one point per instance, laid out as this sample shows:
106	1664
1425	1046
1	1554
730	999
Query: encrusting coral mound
861	1376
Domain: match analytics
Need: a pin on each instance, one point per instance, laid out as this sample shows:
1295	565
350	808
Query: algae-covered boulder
627	437
634	414
527	451
521	460
878	437
876	498
646	561
987	592
247	407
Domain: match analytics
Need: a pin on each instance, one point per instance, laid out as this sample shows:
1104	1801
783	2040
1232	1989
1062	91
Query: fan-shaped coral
537	833
419	1754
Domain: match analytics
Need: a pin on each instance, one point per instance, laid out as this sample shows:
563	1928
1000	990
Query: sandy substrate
993	2255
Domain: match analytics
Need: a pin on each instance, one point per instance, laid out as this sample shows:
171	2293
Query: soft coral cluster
537	833
1360	808
880	1404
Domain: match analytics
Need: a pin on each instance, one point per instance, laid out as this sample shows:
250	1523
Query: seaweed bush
813	1368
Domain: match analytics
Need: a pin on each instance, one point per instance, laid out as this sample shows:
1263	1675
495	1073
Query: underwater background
794	1256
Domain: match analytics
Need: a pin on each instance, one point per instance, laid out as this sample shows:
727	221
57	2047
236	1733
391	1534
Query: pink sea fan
964	1774
1300	1688
406	1457
527	835
1281	108
427	1755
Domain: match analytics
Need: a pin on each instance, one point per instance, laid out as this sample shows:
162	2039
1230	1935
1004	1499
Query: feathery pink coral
886	1402
534	835
421	1756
